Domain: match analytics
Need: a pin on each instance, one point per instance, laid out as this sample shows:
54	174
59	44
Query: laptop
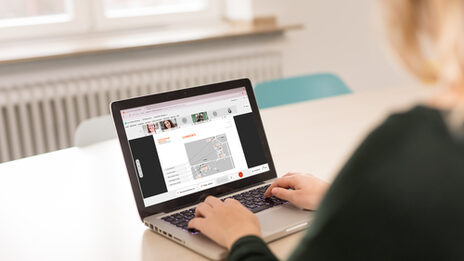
181	146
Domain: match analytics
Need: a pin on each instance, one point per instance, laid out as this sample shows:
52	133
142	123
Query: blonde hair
428	35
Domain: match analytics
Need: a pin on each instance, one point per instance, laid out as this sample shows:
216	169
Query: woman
168	124
399	197
151	128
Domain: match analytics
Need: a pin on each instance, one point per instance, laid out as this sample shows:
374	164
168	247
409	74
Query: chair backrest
94	130
297	89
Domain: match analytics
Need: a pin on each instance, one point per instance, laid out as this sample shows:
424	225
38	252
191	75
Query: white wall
340	36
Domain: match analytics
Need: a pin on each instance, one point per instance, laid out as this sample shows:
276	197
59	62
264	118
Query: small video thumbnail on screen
199	117
167	124
151	127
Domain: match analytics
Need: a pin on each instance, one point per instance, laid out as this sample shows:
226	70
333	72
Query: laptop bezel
191	199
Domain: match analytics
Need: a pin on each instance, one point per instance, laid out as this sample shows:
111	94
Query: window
125	8
43	18
30	12
126	14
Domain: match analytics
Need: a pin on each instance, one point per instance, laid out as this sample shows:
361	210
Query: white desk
77	204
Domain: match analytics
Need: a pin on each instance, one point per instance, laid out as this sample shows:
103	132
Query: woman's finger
231	201
285	194
290	174
284	182
213	201
203	210
197	223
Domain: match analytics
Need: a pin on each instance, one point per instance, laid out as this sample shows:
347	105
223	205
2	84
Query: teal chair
298	89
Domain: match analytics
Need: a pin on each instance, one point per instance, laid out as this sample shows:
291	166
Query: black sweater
399	197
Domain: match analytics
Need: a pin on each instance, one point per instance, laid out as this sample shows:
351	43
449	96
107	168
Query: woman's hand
224	222
304	191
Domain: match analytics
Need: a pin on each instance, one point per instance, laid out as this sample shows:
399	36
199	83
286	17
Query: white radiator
42	115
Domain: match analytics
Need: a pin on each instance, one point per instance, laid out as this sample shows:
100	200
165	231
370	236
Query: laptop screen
192	144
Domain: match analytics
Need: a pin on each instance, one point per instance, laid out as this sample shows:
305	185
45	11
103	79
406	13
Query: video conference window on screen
196	143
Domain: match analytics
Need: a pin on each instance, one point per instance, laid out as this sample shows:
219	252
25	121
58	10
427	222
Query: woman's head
428	35
151	127
168	124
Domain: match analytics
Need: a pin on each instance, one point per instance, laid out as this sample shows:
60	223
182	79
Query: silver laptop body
183	145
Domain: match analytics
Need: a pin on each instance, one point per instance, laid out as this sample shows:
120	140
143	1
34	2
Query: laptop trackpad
285	219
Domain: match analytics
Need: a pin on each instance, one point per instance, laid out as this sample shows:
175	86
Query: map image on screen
209	156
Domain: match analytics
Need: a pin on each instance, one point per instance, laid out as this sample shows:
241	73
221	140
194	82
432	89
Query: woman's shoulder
419	119
417	115
410	137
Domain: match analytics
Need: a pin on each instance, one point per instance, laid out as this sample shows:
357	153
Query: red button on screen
240	174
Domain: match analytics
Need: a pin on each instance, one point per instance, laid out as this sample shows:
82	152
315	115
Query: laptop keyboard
253	199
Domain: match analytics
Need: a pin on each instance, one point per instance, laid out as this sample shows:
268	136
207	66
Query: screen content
188	145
